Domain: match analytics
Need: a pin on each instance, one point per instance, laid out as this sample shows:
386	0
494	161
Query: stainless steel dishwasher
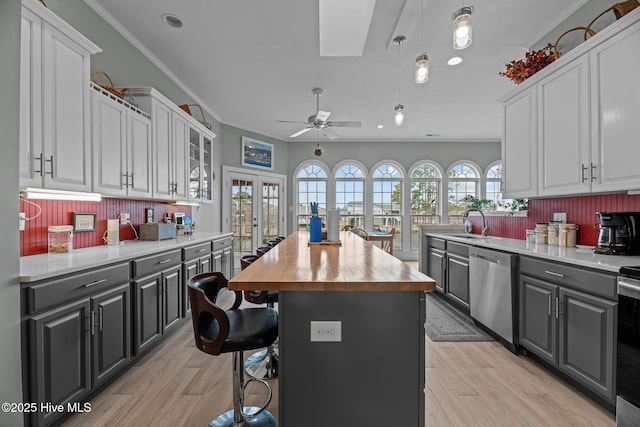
493	293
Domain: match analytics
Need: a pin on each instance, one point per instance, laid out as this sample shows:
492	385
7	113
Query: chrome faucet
485	228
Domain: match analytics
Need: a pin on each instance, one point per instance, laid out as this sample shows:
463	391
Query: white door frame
258	177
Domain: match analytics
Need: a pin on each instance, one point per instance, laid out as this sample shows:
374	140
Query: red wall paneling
580	210
33	240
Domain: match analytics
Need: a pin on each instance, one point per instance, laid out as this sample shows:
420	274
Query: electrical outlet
124	218
326	331
23	219
560	217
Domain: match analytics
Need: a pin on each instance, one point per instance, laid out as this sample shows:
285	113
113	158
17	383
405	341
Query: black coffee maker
619	233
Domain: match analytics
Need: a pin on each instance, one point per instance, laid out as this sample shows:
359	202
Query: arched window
349	194
387	200
425	183
463	182
493	179
312	187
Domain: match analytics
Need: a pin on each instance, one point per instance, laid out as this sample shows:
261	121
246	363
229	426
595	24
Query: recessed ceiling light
172	20
454	61
380	126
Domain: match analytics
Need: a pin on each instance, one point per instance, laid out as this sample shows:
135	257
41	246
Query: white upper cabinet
55	143
563	130
122	154
176	138
615	96
587	120
519	145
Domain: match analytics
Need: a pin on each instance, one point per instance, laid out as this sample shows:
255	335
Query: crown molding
102	12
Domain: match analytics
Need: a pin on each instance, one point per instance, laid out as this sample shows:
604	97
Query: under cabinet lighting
185	203
45	194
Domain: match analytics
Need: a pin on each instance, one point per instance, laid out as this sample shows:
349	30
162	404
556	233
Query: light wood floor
468	384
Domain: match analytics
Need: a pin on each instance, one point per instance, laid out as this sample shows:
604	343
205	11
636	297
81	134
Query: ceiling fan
319	121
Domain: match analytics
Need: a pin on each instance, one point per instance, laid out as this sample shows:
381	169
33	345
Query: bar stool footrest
263	419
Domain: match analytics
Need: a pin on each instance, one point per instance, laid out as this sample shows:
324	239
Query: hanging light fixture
462	30
399	114
422	61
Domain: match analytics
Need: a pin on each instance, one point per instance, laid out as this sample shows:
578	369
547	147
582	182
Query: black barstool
217	331
263	250
263	363
246	261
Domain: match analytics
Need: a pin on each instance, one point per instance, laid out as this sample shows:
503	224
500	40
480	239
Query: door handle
584	170
557	307
549	308
593	175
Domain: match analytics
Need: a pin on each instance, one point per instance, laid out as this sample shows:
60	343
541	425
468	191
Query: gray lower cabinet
223	256
158	305
436	261
78	334
567	318
197	259
60	357
111	332
457	272
447	263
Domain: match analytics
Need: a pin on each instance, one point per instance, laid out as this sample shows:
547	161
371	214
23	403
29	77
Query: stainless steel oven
628	360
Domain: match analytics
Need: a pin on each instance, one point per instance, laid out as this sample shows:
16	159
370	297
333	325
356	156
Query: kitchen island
366	366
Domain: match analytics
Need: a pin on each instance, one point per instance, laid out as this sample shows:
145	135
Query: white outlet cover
560	217
326	331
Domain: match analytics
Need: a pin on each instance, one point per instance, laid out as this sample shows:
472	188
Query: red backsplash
580	210
33	240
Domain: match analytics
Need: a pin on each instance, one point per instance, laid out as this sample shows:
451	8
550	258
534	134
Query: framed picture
84	221
256	153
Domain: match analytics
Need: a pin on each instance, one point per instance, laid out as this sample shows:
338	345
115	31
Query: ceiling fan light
462	27
399	116
422	69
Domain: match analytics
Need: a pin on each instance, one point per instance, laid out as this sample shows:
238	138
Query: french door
253	208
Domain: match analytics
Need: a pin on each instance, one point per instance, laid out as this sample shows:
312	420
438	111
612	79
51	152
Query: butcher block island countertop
355	265
351	332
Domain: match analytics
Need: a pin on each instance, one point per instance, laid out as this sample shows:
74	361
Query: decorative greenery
473	202
534	61
516	205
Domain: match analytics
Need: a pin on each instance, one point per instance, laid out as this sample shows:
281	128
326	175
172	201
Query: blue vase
315	229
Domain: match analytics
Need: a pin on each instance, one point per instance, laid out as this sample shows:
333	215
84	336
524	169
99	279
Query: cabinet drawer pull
95	282
164	261
203	250
553	273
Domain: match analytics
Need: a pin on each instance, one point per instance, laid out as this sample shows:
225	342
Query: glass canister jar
567	235
60	238
542	232
553	233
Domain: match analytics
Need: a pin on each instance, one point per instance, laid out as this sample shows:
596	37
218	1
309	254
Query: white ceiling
253	62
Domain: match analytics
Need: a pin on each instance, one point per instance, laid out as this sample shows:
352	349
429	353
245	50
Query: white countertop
575	256
45	266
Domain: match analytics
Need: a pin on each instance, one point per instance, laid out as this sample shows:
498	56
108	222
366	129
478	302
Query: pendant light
422	61
462	30
399	109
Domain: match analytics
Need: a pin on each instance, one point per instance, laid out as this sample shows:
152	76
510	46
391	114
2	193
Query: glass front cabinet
200	165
